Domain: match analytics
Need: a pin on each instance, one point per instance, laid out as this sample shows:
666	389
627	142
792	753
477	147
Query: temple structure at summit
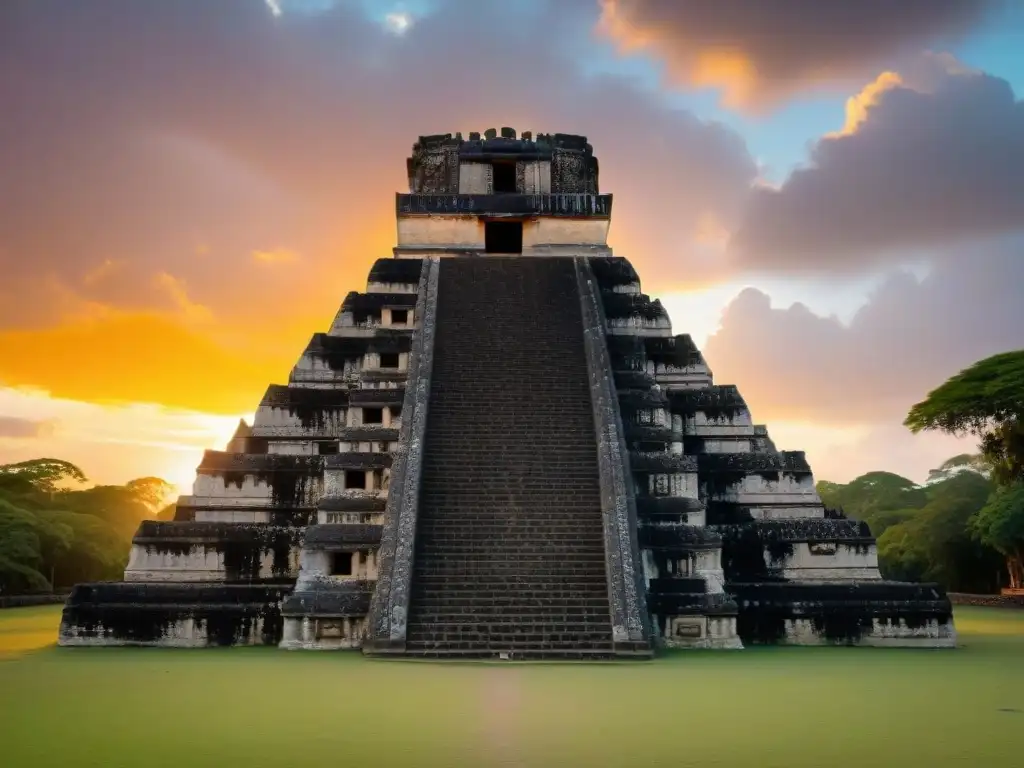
501	449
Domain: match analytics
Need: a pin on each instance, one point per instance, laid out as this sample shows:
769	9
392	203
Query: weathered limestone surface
511	554
772	565
630	628
320	447
663	515
386	628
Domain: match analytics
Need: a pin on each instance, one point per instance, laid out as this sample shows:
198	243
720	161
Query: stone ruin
501	449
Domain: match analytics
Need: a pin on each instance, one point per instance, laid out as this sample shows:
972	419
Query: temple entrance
503	176
503	236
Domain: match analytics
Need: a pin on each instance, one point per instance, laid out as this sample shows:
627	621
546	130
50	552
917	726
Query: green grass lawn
759	708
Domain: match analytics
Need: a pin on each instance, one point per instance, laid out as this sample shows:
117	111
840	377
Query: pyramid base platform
872	613
176	615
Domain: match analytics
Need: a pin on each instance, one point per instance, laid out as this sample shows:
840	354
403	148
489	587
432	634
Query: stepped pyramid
500	449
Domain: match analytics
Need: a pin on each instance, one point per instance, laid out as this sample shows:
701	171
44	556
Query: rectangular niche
341	564
503	176
503	237
355	480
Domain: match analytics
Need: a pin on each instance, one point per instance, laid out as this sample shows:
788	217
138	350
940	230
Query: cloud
857	106
17	428
761	53
113	444
119	357
178	291
794	365
279	256
151	149
927	159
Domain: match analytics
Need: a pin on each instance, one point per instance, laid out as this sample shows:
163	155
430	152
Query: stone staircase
509	544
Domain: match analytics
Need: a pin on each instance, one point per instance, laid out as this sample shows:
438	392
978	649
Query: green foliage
1000	524
924	532
20	550
964	462
879	498
53	536
986	400
151	491
1003	448
46	475
885	519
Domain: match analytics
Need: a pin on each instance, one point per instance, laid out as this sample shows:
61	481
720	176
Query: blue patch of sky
778	141
998	46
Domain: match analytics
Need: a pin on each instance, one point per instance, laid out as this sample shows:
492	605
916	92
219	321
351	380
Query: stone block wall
250	524
765	521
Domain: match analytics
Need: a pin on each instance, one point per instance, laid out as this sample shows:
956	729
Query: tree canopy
53	535
986	400
44	475
875	497
924	532
963	462
1000	524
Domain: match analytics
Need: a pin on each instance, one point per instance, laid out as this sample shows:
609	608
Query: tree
986	400
151	491
936	544
46	475
1000	524
880	499
964	462
23	539
122	506
53	535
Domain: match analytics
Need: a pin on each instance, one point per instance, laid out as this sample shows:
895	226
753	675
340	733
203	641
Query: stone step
478	554
536	635
519	653
510	530
541	633
541	599
515	613
445	579
515	626
588	577
529	536
483	599
436	544
510	564
521	528
572	564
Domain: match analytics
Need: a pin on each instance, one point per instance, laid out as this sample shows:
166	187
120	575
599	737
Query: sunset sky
829	196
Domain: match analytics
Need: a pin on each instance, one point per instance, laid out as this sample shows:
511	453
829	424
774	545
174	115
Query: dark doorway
504	178
503	236
355	480
341	564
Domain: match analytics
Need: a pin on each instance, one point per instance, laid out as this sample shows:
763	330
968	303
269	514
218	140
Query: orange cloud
99	273
146	357
762	53
711	231
277	256
857	106
112	444
178	292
